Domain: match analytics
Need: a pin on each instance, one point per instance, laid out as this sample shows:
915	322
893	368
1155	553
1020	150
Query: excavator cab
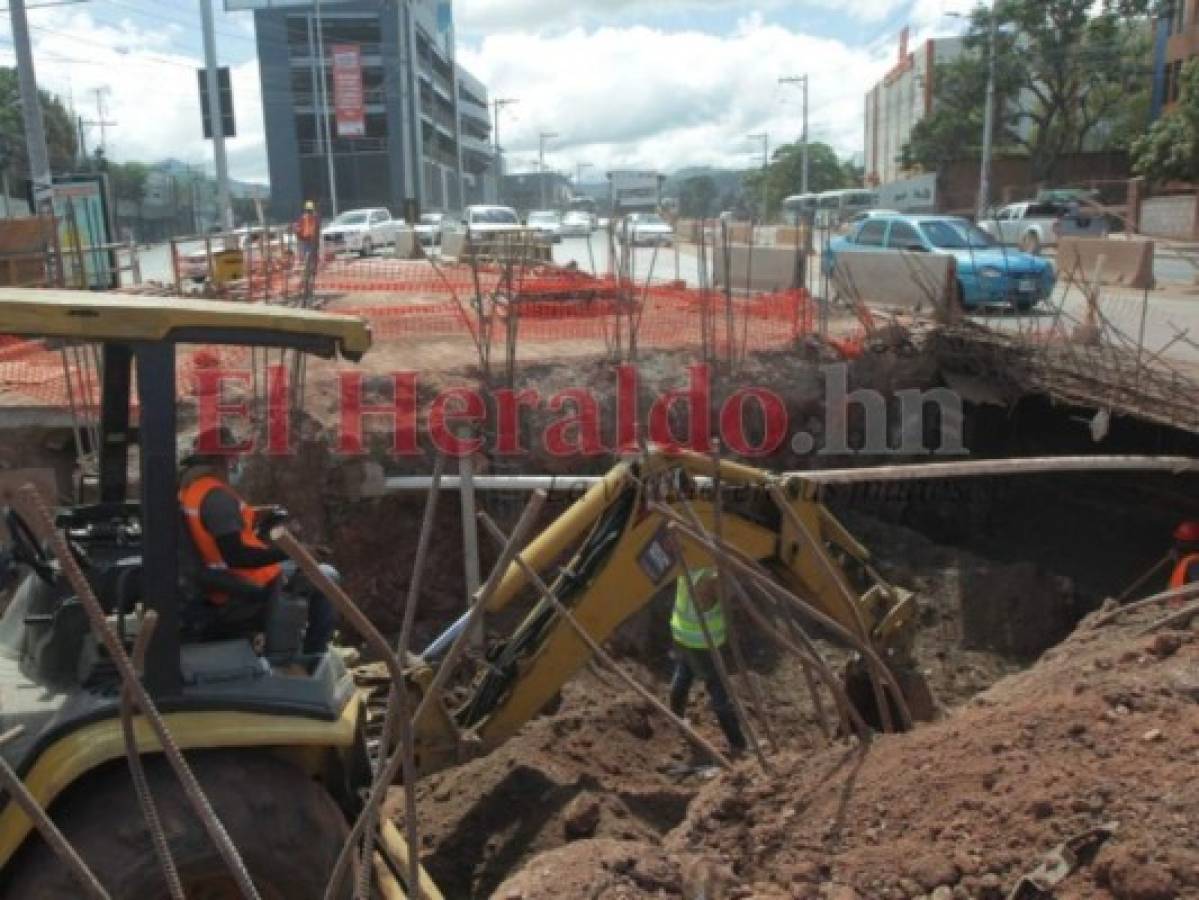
57	684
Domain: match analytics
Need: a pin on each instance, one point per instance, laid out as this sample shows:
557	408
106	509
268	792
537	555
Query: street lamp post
765	139
984	177
497	104
545	136
801	80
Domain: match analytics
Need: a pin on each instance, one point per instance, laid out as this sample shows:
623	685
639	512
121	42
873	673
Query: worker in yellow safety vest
1186	554
693	659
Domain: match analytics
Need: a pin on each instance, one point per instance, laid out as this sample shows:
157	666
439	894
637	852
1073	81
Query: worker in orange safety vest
227	535
308	234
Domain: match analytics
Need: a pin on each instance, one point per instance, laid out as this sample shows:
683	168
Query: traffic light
225	89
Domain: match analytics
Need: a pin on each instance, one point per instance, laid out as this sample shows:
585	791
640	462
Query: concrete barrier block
911	282
453	243
759	268
1128	263
406	244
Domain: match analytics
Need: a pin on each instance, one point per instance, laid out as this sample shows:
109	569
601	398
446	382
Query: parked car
869	214
1034	226
577	224
361	231
647	228
428	229
988	275
480	219
546	223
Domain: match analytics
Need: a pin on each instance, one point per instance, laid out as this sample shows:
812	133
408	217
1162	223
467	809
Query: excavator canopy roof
115	318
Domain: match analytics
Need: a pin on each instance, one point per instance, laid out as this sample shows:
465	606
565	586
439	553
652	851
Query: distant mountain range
727	180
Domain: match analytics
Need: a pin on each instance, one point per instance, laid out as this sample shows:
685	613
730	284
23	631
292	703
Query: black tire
368	248
1030	243
286	827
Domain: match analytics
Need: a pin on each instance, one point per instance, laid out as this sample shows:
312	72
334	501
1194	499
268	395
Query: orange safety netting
666	317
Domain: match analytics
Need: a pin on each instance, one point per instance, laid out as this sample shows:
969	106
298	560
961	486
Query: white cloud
644	97
150	89
488	16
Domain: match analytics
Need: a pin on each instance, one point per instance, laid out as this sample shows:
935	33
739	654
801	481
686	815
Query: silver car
546	223
577	224
648	229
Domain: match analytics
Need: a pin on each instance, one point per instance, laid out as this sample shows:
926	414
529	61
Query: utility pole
497	104
765	139
324	109
224	206
100	120
802	80
984	177
31	106
545	136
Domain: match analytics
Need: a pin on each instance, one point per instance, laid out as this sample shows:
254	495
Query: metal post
802	80
984	178
765	139
324	108
214	116
31	106
470	535
545	136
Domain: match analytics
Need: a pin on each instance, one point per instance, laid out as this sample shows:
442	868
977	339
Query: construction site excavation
702	571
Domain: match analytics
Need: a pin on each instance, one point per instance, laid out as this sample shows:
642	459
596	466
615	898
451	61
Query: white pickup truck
1032	226
361	231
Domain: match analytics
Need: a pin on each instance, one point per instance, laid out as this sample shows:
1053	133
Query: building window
1173	81
1178	16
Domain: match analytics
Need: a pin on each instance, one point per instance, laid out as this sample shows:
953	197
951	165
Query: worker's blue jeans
690	664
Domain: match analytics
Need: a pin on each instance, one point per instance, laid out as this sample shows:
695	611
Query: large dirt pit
1048	728
598	798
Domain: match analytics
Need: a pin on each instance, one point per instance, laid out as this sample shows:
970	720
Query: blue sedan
988	275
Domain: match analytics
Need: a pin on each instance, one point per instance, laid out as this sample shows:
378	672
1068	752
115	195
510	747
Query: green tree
955	127
1079	61
697	197
60	131
784	175
1169	151
1070	75
128	181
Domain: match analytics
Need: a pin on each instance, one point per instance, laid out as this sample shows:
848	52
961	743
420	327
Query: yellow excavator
276	739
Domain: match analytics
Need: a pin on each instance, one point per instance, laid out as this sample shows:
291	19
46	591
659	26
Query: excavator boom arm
621	554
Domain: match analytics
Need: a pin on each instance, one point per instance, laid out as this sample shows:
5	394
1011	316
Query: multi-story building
527	191
421	138
1178	42
900	100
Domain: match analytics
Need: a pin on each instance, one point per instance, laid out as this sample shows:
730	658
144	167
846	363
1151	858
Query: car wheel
367	248
1031	243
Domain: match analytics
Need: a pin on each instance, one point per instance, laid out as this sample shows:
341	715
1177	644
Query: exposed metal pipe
1176	465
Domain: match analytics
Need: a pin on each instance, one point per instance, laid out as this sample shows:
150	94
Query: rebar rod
601	654
37	514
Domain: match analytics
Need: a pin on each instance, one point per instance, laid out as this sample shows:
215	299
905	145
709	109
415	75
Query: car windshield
547	218
649	219
956	235
431	219
350	218
493	217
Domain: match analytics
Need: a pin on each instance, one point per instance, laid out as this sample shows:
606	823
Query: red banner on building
349	105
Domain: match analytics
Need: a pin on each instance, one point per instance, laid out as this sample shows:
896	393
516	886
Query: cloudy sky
650	83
